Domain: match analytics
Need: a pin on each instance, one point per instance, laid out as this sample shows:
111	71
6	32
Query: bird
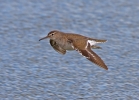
61	42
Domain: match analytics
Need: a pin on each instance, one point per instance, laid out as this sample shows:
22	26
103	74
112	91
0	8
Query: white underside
92	42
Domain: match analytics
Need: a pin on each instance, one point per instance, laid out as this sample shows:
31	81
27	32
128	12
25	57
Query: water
32	70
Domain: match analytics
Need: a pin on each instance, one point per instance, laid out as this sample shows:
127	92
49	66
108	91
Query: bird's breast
65	44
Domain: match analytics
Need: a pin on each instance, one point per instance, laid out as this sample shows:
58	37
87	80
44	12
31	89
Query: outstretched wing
57	47
90	55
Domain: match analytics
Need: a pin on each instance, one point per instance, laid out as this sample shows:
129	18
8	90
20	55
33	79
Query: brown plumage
61	42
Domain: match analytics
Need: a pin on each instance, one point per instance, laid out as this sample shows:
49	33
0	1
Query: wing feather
92	56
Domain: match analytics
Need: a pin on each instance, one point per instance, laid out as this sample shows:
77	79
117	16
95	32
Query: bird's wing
57	47
90	55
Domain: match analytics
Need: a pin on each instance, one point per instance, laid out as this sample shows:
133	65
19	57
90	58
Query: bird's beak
43	38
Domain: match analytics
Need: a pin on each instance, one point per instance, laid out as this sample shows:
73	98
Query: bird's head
52	35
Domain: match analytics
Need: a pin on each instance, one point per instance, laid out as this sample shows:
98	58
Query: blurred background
32	70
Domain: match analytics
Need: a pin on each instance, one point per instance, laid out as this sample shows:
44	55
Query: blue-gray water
32	70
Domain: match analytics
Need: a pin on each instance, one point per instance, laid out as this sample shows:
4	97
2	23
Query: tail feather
95	47
99	40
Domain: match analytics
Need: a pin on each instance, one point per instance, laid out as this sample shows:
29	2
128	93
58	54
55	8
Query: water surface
32	70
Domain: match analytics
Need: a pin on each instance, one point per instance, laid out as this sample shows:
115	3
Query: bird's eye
51	34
